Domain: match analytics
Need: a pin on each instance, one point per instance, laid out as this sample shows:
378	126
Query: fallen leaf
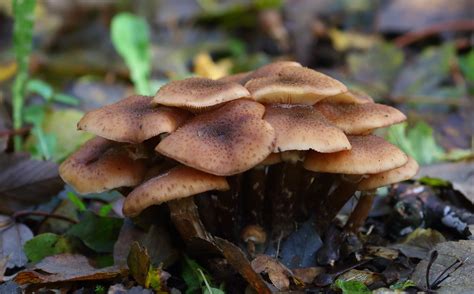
10	287
419	243
307	275
460	174
156	240
461	280
46	244
25	182
97	232
205	67
66	268
380	251
278	274
352	287
299	249
138	262
12	238
363	276
239	262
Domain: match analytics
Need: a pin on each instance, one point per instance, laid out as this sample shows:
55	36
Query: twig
414	36
44	214
20	131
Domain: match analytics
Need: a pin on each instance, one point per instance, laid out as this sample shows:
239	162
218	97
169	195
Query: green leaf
403	285
352	287
197	279
46	244
418	142
65	99
76	201
130	36
41	88
98	233
466	63
435	182
105	209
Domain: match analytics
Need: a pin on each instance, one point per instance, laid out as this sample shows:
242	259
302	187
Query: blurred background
416	55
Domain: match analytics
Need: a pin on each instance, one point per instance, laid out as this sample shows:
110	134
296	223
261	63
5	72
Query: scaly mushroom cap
369	155
350	97
403	173
235	78
101	165
294	85
268	70
197	94
301	127
132	120
179	182
225	141
358	119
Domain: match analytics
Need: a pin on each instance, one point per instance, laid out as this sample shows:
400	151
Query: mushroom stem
314	190
360	212
285	178
185	216
334	202
228	207
254	195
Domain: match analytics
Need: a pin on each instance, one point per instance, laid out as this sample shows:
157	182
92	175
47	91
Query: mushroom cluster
263	149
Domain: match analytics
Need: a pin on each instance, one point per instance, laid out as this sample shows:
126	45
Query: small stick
44	214
414	36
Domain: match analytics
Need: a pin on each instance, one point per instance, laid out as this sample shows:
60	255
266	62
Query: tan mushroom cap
369	155
294	85
132	120
403	173
268	70
225	141
301	127
235	78
101	165
351	97
197	94
357	119
179	182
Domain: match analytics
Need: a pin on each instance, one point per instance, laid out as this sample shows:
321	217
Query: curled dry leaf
66	268
25	182
12	238
278	274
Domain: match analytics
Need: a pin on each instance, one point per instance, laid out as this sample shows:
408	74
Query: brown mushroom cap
357	119
225	141
235	78
132	120
268	70
179	182
369	155
352	97
301	127
294	85
101	165
198	94
403	173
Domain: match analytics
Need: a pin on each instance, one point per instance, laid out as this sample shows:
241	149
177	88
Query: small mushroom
360	119
132	120
199	94
253	235
101	165
351	97
299	127
294	85
226	141
179	182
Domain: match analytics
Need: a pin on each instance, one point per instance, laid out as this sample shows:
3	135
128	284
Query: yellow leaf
205	67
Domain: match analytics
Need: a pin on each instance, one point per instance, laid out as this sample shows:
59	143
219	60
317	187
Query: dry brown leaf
278	274
307	275
67	268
